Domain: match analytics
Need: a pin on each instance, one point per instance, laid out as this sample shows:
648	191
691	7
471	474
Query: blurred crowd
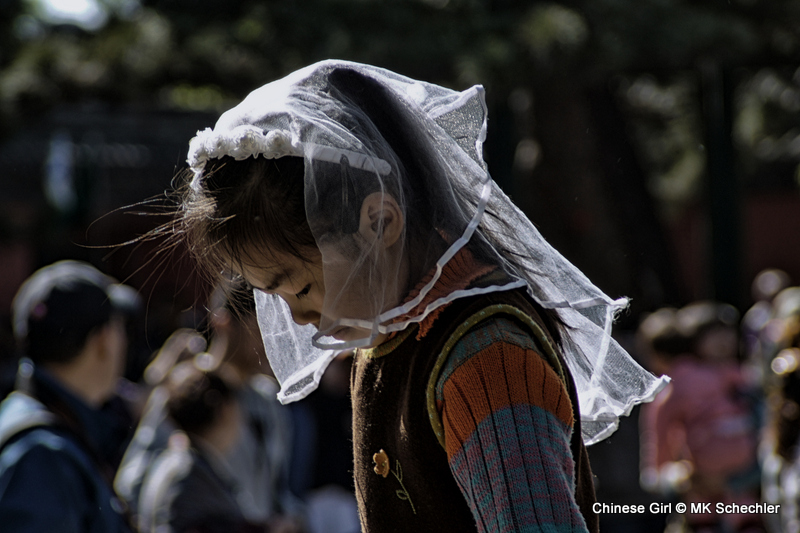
200	444
725	430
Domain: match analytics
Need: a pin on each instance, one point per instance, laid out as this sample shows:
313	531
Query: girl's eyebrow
277	280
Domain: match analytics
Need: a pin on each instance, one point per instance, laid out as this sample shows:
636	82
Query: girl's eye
304	292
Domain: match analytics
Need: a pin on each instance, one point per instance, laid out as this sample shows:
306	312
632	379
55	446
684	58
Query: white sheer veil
363	130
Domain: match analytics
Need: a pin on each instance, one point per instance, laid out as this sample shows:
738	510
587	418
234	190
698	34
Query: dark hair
59	331
196	397
698	318
659	333
255	204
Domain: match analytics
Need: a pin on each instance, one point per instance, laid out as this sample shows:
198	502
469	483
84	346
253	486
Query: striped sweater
507	422
504	448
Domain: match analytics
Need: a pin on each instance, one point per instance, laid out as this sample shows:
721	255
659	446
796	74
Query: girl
356	204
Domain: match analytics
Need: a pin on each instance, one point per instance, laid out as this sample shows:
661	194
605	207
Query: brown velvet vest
415	490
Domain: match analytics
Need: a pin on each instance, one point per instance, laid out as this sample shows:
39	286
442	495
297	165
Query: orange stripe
501	375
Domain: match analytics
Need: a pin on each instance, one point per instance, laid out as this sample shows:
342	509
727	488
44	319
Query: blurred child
258	459
703	425
660	341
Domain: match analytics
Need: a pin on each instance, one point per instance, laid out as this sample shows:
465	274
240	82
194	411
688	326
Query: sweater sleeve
507	421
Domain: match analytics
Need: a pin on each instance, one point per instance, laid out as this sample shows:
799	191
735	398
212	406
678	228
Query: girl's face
354	277
301	284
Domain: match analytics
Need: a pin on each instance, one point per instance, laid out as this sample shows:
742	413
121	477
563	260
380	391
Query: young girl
356	204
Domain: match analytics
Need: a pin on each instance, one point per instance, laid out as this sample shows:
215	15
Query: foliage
238	44
539	61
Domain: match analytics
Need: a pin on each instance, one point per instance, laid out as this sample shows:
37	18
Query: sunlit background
655	143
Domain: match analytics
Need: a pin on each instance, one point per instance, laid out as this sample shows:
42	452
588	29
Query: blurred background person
779	451
58	445
757	324
660	342
778	332
154	428
261	457
256	465
189	487
701	433
322	463
782	462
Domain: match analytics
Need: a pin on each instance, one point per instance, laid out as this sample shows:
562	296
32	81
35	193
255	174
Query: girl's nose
302	315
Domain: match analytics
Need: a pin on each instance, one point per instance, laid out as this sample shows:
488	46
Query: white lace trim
250	141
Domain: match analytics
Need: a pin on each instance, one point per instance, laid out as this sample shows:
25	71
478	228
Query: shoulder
161	483
33	449
495	335
19	413
44	481
494	330
498	363
44	450
170	468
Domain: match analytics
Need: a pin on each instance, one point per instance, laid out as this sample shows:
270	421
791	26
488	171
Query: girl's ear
381	219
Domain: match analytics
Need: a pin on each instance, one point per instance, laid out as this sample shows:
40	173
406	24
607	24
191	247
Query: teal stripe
517	473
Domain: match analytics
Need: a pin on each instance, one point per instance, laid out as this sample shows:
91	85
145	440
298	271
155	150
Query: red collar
457	274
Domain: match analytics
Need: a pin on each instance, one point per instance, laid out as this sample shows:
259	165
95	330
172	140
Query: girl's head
251	217
343	192
340	235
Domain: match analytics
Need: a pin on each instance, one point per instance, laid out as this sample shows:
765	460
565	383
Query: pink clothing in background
700	417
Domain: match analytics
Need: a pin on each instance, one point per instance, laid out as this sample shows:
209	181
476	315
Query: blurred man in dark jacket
56	440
